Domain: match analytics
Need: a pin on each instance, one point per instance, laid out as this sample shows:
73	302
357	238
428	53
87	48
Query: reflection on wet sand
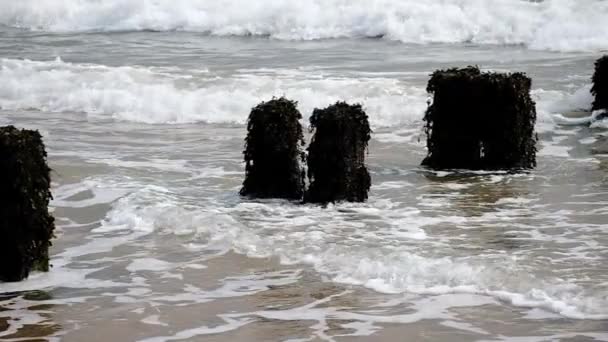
483	200
27	316
476	194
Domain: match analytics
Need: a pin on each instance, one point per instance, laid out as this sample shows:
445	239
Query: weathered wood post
336	155
480	121
273	151
26	226
600	84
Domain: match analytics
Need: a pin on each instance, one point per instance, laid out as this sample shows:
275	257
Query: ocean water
143	106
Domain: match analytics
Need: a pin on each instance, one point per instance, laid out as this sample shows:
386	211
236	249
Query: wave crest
168	95
562	25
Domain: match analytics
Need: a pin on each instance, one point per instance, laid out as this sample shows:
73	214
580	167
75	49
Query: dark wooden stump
26	226
273	152
336	155
600	84
480	121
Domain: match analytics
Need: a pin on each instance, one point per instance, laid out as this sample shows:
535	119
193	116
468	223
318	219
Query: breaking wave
165	96
561	25
156	95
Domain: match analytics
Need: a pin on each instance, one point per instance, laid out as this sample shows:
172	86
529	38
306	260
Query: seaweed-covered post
600	84
26	227
273	152
336	155
480	121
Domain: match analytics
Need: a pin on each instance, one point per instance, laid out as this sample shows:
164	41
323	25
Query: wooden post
336	155
26	227
273	151
480	121
600	84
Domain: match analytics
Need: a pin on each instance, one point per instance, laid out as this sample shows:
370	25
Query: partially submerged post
600	84
336	155
273	151
480	121
26	227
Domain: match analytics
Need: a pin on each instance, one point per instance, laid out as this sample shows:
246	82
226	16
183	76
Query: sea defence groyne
599	88
273	151
26	226
336	155
480	120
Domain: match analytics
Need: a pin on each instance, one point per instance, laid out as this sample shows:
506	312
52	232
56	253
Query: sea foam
155	96
385	261
562	25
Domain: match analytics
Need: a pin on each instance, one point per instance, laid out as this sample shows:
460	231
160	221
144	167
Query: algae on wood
26	226
480	121
336	155
273	151
600	84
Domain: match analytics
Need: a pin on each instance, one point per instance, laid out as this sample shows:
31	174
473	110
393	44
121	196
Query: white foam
562	25
588	140
515	200
150	95
599	119
97	191
375	246
552	104
366	322
60	276
145	95
170	165
148	264
555	151
540	314
153	320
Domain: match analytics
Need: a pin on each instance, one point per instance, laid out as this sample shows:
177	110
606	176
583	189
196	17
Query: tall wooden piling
273	151
336	155
600	84
26	227
480	121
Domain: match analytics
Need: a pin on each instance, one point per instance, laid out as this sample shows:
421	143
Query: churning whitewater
559	25
171	95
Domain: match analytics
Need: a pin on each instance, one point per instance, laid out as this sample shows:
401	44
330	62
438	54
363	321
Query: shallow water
145	131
